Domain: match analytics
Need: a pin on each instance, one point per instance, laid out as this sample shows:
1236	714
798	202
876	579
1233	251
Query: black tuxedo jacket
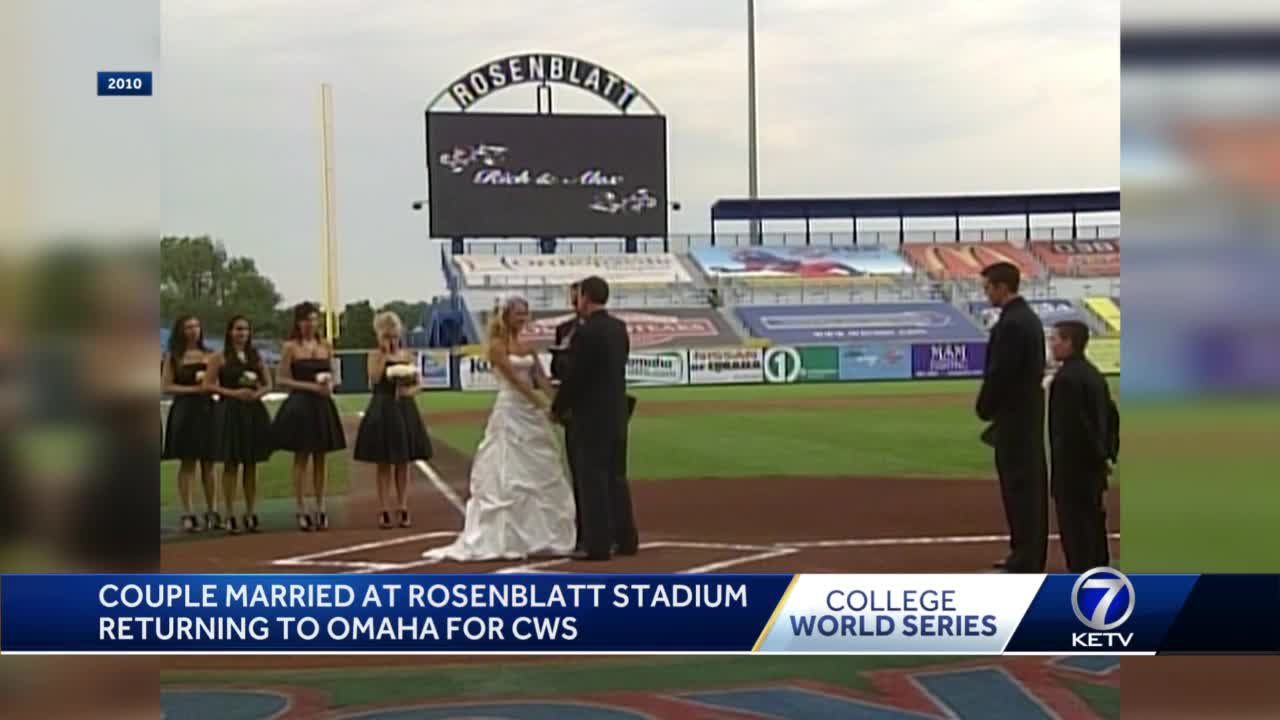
1012	395
594	391
1079	426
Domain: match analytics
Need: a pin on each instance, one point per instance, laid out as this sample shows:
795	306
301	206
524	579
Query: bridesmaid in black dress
308	423
242	425
391	433
188	430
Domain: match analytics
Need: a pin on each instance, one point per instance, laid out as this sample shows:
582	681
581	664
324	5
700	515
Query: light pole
753	167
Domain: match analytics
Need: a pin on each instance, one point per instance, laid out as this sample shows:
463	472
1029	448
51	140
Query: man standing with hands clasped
1081	443
1012	400
593	397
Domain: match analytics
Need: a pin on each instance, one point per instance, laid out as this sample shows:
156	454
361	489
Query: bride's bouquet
403	374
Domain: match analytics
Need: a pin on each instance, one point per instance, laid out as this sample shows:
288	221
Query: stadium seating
964	261
1107	310
1079	258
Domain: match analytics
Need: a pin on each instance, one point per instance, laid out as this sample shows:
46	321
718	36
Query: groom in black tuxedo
593	396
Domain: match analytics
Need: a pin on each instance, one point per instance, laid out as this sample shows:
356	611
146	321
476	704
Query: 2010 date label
124	83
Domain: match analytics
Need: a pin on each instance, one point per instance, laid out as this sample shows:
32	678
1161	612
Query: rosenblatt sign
506	72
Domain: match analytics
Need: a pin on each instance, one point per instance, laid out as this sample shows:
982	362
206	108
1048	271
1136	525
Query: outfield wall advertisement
938	360
475	372
780	364
434	368
726	366
658	368
826	363
875	361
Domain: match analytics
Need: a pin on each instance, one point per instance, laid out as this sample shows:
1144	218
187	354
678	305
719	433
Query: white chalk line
750	553
734	562
442	487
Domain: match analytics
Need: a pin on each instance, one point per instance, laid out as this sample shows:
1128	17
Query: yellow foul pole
328	232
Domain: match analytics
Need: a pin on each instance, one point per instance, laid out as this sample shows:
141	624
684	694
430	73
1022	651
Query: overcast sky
856	97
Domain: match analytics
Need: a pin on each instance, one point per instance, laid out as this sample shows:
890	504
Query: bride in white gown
521	502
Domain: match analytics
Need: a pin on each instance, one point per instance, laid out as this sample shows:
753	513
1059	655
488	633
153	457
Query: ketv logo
1103	600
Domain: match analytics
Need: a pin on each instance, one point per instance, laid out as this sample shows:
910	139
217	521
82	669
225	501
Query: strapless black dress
242	428
392	430
188	431
308	422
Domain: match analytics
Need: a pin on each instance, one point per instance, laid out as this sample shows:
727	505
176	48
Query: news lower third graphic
1100	612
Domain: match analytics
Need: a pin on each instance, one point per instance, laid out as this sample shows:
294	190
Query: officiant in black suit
1012	400
593	397
560	363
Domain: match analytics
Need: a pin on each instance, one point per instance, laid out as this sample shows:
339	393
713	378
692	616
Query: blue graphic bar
395	613
124	83
1102	613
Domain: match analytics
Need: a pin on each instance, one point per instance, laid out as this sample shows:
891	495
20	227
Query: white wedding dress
521	502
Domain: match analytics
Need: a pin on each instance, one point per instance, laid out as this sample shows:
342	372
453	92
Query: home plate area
404	554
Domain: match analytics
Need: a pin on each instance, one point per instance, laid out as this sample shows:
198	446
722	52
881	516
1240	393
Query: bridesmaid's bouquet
324	378
199	377
403	374
249	379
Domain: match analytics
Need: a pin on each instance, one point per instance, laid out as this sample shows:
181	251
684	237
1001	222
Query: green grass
275	480
719	440
1200	486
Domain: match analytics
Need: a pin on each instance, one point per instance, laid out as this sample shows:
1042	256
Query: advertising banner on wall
723	366
433	366
648	329
533	270
758	262
1105	354
475	372
936	360
670	367
839	324
802	364
1050	311
875	361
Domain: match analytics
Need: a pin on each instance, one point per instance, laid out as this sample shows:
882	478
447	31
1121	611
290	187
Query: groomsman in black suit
1012	400
594	398
560	368
1080	443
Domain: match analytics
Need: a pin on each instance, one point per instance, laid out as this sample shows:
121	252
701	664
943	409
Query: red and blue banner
1100	612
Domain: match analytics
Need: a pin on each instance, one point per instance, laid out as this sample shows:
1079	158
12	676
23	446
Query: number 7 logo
1113	582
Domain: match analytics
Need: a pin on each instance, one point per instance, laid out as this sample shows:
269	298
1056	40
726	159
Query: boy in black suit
1079	432
594	397
1012	400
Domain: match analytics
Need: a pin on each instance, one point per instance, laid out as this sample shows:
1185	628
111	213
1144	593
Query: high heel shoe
405	522
233	527
322	520
212	520
190	524
251	523
304	522
384	520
